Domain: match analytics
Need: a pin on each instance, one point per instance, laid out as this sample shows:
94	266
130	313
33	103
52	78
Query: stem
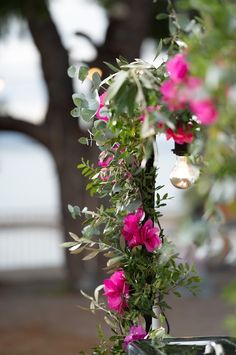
166	320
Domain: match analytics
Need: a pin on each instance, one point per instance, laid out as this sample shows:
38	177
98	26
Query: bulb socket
180	149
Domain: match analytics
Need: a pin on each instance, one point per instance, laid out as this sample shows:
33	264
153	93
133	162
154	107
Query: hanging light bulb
184	174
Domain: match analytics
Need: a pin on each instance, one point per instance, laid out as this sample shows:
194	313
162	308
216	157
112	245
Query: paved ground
40	318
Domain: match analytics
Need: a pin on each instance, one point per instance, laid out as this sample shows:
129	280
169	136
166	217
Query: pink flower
177	68
180	136
135	333
104	160
150	236
192	82
136	234
189	89
116	146
117	291
205	111
105	174
101	105
171	95
131	229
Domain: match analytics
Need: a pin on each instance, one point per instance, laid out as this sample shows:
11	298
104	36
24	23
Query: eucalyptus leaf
87	114
75	112
96	79
83	72
84	140
74	210
80	100
100	124
72	71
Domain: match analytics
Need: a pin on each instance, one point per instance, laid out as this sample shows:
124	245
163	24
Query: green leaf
75	112
93	103
84	140
78	250
71	71
119	80
74	210
104	112
75	247
162	16
131	99
68	244
100	124
114	261
121	61
110	323
91	255
89	231
172	27
80	100
111	66
87	114
159	49
74	236
96	81
176	293
83	72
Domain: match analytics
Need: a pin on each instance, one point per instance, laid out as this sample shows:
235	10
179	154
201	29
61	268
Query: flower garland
137	102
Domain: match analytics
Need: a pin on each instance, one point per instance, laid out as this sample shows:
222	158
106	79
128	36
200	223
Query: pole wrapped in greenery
125	113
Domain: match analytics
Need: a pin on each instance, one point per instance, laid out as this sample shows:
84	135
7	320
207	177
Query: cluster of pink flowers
137	234
116	289
135	333
182	90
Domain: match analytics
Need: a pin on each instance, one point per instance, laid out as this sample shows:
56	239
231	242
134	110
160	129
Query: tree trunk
62	130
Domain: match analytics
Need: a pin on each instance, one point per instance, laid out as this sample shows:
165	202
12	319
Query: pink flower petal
135	333
177	68
205	111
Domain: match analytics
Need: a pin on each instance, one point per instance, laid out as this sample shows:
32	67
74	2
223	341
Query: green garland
137	103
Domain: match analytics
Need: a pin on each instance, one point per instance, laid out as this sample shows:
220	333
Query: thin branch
38	132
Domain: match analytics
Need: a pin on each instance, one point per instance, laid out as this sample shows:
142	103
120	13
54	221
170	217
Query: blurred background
39	151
